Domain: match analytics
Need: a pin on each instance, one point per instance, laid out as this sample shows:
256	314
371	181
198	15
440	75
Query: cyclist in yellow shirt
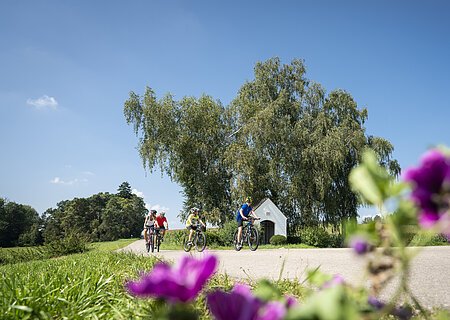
192	222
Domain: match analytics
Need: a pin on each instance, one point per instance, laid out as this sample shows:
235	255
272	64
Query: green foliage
19	225
226	232
73	243
16	255
281	137
373	182
319	237
101	217
426	238
111	245
277	240
175	237
124	190
187	140
293	239
83	286
332	304
214	239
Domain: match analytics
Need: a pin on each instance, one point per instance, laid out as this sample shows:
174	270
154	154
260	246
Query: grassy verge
87	286
91	286
111	245
24	254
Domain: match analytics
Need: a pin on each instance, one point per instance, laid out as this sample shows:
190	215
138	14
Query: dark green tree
19	224
124	190
101	217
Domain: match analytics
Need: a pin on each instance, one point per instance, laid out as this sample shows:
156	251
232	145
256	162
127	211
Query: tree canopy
281	137
19	224
101	217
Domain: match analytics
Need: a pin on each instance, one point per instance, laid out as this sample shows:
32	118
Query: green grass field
87	286
90	285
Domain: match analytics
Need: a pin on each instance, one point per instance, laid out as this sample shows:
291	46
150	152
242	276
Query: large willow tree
282	137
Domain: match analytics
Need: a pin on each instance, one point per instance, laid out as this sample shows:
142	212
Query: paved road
430	276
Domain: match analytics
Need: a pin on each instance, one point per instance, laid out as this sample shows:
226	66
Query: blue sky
66	68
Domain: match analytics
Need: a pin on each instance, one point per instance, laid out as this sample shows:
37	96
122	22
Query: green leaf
22	308
362	182
267	291
330	304
318	278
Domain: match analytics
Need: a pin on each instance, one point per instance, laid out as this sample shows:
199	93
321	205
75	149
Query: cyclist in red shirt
161	223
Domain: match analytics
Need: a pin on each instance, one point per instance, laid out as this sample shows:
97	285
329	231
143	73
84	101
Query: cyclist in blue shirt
242	215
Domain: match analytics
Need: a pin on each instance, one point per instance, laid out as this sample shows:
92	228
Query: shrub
277	240
294	239
213	238
226	233
16	255
336	240
429	239
73	243
175	237
315	236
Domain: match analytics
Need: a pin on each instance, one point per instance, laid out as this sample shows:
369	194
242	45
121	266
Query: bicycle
158	238
150	243
249	235
198	240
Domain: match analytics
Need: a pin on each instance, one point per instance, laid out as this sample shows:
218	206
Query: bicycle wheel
158	242
237	246
200	241
186	246
253	239
152	242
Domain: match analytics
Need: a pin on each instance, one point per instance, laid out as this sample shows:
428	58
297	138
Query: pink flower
241	304
431	187
180	283
337	280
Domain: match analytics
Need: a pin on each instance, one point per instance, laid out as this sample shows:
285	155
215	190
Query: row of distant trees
101	217
282	137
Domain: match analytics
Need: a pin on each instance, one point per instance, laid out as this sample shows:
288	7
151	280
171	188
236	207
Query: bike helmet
153	211
162	213
195	209
248	199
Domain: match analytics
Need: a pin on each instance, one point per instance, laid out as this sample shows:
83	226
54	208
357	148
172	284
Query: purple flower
241	304
360	245
403	313
273	310
180	283
291	301
337	280
374	302
431	187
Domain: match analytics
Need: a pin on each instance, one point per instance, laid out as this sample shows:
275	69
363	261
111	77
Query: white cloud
149	207
44	102
55	180
58	180
138	193
157	207
88	173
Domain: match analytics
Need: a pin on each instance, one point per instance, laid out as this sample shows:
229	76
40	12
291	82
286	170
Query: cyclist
192	222
161	224
242	214
149	223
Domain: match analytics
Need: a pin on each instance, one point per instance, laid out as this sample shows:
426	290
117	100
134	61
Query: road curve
430	270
